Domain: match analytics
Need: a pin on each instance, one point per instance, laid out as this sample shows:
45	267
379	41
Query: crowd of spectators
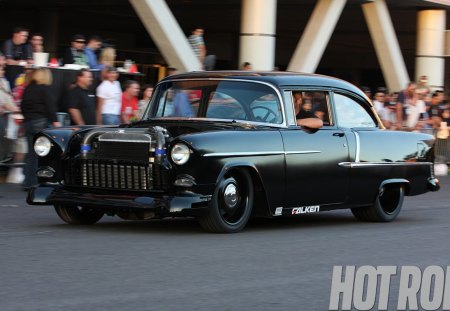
27	106
415	108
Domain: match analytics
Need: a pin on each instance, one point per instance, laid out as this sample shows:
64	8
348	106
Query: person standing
107	59
81	101
146	95
379	103
415	110
39	110
422	85
2	60
404	98
108	56
6	105
109	99
198	45
129	110
94	44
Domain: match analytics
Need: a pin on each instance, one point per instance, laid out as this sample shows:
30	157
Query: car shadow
185	226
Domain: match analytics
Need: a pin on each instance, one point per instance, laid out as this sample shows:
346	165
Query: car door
313	173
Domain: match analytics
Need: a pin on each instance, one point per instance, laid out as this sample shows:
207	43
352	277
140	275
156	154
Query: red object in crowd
54	62
133	68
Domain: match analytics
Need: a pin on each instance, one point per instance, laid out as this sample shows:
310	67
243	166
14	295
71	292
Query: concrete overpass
355	40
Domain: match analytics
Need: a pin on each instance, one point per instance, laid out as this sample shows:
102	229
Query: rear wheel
231	204
78	215
387	206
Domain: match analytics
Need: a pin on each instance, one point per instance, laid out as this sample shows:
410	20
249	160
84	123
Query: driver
303	112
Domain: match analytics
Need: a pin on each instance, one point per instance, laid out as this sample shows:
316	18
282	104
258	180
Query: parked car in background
225	146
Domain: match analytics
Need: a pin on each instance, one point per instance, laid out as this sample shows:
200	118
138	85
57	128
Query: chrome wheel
231	204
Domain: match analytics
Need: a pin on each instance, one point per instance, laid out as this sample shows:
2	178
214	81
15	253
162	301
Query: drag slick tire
231	204
78	215
387	206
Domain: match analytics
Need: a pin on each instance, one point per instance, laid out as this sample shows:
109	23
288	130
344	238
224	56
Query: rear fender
400	181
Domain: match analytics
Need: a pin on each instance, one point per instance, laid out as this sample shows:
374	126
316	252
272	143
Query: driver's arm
309	119
313	123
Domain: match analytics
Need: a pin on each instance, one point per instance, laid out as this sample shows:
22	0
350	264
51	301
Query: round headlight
180	154
42	146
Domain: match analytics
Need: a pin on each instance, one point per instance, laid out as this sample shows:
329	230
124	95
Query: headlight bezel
44	143
180	153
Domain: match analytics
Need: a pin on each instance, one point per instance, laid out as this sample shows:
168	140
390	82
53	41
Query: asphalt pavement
171	264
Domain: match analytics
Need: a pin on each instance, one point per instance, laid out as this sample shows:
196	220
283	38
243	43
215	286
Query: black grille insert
110	174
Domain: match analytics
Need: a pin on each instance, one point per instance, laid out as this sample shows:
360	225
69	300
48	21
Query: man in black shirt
81	100
17	49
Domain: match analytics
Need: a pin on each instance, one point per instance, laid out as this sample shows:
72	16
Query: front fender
261	205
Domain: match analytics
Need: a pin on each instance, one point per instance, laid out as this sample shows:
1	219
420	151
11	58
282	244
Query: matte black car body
248	161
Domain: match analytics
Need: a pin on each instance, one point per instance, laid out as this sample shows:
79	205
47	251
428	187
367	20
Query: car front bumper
183	204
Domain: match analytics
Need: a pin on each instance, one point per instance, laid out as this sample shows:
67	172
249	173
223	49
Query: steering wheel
265	118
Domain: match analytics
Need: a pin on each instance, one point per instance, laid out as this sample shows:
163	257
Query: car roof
276	78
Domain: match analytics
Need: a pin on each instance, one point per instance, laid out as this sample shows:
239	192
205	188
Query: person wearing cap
109	99
75	53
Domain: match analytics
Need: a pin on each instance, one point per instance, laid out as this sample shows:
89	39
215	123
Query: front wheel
386	207
78	215
231	204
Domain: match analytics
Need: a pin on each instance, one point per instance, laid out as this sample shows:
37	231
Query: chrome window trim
358	147
277	91
328	94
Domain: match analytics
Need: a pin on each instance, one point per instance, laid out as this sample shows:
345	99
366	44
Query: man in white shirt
109	94
383	112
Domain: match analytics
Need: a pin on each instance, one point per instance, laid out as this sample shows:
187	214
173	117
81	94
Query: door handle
339	134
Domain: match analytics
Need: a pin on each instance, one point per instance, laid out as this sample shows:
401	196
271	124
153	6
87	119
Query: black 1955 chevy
225	146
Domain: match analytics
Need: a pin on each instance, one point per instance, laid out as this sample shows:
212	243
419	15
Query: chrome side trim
358	147
258	153
302	152
376	164
242	154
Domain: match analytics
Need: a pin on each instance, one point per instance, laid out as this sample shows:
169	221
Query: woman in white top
415	108
109	96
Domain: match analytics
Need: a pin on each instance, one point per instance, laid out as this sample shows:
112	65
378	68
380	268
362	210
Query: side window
312	104
350	113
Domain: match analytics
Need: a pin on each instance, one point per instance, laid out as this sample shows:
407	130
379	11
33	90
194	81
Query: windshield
215	99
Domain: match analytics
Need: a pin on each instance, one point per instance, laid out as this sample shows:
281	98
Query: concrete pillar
167	34
386	45
257	38
430	47
316	35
